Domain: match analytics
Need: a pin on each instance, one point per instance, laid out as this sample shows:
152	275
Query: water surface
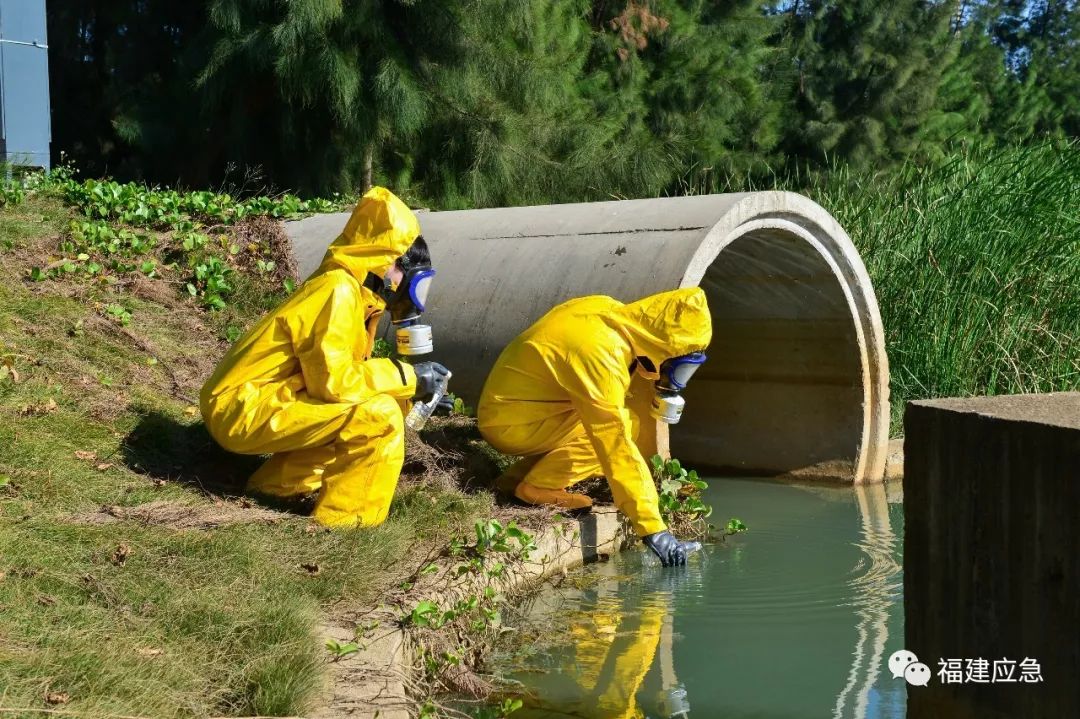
794	619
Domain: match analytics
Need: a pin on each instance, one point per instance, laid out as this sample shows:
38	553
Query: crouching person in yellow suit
557	397
301	384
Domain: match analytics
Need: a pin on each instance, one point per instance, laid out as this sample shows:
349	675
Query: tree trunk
958	17
369	151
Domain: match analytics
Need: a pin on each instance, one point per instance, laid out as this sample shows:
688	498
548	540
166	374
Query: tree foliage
461	103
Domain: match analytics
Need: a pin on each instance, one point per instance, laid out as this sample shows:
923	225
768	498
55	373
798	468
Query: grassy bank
134	580
976	266
130	583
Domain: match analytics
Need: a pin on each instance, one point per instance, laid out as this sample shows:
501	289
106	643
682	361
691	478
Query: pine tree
120	81
313	89
1053	40
704	88
868	74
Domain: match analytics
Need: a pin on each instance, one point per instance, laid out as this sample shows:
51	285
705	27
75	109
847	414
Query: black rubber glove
431	377
671	551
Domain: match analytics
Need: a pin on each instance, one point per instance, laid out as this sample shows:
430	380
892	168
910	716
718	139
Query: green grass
189	623
976	266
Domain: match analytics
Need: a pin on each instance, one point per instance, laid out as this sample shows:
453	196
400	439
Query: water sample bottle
421	411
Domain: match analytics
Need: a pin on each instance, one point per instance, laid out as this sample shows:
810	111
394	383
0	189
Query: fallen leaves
85	455
120	554
7	368
55	698
191	411
34	410
149	652
103	466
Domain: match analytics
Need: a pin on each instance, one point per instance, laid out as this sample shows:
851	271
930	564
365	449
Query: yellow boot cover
301	384
559	390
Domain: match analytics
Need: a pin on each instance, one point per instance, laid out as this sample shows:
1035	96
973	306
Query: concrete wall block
991	560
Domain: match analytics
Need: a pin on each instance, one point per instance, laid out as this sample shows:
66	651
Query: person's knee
380	416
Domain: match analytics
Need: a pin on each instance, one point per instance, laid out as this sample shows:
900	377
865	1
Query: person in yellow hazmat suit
302	385
557	397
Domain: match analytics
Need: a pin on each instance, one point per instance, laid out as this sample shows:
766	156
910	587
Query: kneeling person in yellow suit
557	397
301	384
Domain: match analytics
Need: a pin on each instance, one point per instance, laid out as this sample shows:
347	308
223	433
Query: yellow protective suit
301	383
613	654
557	394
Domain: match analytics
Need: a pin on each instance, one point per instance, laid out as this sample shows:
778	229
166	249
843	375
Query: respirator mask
406	303
675	373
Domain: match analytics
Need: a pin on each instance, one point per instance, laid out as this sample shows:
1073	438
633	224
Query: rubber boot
532	494
509	480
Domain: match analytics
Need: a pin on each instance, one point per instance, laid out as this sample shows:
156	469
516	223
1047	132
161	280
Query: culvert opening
783	389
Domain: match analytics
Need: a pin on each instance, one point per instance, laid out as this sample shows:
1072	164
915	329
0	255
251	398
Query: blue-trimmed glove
671	551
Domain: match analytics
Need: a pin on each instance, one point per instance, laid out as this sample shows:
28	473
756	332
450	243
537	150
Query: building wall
24	84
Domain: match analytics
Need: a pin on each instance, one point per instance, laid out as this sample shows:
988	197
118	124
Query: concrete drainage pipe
797	377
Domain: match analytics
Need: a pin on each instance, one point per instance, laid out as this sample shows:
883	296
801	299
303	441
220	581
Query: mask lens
419	288
681	369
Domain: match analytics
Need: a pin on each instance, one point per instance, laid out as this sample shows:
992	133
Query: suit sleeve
325	332
597	385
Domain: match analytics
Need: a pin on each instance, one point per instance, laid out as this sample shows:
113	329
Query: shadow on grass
162	448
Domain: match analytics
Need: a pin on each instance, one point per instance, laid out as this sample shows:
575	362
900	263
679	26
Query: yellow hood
665	325
381	229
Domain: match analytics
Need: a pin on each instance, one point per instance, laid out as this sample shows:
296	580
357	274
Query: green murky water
795	619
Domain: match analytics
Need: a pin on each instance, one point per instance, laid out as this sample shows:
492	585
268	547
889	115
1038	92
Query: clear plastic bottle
422	411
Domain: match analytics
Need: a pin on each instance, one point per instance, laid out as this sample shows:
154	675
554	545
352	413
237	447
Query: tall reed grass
976	266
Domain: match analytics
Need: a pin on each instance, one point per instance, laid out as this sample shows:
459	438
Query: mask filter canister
668	407
414	340
675	373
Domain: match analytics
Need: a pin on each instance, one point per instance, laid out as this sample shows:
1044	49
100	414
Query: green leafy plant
492	535
425	614
735	526
342	649
211	283
382	348
499	711
11	193
679	492
120	313
460	407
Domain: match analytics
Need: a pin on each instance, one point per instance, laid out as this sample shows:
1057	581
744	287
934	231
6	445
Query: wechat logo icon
905	664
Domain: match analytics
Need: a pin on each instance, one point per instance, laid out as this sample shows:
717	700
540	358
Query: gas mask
406	303
675	373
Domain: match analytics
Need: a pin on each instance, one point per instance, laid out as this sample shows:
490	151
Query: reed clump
976	266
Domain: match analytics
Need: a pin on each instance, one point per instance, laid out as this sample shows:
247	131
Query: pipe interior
782	389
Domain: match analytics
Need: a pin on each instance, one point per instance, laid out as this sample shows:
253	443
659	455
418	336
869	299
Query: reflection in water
613	649
876	590
794	619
